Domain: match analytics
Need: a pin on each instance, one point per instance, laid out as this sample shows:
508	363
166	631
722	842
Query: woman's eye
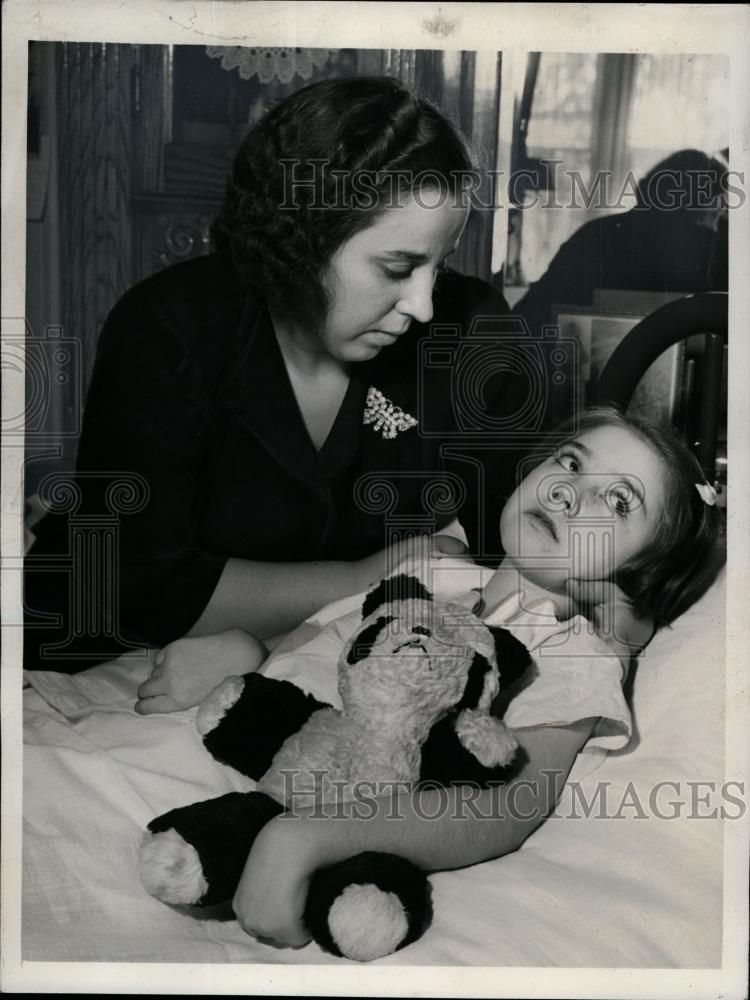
404	275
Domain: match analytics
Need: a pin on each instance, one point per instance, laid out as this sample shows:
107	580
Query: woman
269	396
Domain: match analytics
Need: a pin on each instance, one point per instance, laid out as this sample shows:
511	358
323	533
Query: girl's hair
291	201
687	551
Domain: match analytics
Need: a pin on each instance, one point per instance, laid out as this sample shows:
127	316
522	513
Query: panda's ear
512	656
395	588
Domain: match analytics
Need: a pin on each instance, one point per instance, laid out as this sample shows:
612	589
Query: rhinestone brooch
385	416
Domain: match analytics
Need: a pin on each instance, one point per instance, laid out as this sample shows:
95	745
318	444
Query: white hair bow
707	492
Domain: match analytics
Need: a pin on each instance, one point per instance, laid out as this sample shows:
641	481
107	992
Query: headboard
704	314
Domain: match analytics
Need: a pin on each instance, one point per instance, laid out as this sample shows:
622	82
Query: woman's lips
383	337
380	339
546	522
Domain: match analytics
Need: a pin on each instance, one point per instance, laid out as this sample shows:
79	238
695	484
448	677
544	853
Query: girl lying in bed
619	502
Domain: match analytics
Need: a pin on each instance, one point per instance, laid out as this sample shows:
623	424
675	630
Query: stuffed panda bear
417	681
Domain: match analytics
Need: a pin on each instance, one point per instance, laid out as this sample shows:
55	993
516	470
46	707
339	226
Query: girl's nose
416	301
589	502
566	497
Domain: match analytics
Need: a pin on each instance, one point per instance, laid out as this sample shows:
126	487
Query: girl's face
586	510
381	278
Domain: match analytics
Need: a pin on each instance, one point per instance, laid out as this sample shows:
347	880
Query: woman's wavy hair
687	551
321	166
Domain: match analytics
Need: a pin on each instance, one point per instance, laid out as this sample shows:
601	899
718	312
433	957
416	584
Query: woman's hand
611	612
271	895
447	545
186	670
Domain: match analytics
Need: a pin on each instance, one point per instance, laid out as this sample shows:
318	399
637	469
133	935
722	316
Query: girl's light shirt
573	674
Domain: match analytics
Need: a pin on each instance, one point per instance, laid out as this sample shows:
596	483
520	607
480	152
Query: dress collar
259	392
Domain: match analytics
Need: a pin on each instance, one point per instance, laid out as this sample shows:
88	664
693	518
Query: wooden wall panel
94	177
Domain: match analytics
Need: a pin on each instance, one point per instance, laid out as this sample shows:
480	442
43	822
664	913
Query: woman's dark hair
687	550
321	166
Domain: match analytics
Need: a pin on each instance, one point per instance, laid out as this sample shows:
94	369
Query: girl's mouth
545	521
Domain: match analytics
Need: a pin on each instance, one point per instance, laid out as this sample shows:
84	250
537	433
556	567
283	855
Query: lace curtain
270	64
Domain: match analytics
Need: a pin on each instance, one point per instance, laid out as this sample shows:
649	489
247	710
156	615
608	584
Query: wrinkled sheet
615	891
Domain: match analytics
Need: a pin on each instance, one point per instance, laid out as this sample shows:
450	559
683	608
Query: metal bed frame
705	313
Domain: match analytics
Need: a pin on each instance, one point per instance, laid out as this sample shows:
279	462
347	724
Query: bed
628	873
631	889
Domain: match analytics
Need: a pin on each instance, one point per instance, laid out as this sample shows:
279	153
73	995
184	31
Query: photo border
721	28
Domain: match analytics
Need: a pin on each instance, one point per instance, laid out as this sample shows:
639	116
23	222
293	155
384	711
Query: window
614	112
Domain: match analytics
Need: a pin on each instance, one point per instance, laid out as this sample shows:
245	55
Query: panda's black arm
446	761
248	732
444	758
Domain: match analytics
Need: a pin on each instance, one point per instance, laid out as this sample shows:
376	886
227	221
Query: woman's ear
395	588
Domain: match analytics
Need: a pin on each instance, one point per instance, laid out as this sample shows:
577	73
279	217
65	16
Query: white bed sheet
586	892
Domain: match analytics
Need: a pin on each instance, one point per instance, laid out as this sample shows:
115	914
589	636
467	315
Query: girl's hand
271	895
604	604
186	670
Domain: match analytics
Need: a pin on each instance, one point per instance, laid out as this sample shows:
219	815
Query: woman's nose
416	300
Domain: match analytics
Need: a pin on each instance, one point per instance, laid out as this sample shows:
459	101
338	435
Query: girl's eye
568	461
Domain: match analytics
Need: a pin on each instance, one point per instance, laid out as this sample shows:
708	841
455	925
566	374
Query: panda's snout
414	643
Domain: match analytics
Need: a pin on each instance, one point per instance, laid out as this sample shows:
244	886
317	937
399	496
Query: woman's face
586	510
381	278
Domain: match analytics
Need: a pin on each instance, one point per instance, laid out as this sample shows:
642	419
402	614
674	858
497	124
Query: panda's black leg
195	855
368	906
245	720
